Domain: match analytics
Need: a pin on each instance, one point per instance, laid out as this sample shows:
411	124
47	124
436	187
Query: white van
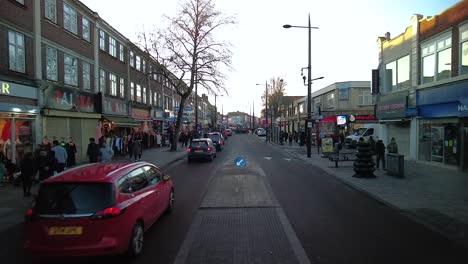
365	131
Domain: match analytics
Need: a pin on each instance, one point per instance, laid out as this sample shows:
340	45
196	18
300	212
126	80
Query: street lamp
216	111
309	85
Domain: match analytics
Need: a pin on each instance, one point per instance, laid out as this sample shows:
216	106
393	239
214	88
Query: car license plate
65	230
199	150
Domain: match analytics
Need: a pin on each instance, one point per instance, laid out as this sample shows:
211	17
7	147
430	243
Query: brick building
65	72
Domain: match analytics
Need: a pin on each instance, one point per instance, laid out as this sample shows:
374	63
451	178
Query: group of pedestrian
378	149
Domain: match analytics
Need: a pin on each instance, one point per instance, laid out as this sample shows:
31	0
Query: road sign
318	117
239	162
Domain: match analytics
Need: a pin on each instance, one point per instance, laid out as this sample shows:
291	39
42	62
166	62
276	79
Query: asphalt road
334	223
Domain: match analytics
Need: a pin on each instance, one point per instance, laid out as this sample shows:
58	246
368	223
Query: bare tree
188	52
276	91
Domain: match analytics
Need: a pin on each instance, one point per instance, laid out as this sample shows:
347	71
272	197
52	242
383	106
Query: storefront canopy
328	119
122	121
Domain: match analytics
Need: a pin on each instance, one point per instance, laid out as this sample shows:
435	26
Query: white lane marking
287	159
268	158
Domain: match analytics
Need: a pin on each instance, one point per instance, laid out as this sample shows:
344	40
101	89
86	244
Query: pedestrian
106	153
281	136
170	134
182	139
2	169
28	171
392	146
302	139
71	152
285	135
137	150
45	163
371	142
61	156
380	151
93	151
130	145
186	138
290	139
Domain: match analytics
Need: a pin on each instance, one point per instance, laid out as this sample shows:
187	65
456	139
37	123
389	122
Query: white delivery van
365	131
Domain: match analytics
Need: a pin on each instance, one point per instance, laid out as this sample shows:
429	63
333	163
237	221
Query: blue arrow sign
239	162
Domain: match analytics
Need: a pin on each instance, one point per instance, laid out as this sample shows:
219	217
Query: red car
97	209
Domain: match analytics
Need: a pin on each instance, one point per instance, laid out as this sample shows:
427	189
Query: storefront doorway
440	141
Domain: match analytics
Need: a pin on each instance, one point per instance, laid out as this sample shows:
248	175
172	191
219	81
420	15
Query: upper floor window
138	93
51	64
143	66
20	1
86	76
436	57
121	52
301	108
70	70
132	59
69	19
112	47
122	87
16	51
102	40
102	80
50	10
330	100
155	98
144	95
365	97
398	72
138	63
132	91
113	84
464	49
86	29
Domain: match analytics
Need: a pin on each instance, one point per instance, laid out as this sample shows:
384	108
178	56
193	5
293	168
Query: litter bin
396	165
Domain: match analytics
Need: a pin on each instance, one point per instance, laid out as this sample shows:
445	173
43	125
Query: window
132	91
155	99
330	100
102	40
403	72
138	93
69	19
125	185
16	51
51	64
391	73
50	10
121	52
301	108
160	100
144	95
20	1
132	59
102	80
143	66
86	30
464	50
86	76
113	84
436	57
365	98
138	179
112	47
138	63
71	70
152	175
122	87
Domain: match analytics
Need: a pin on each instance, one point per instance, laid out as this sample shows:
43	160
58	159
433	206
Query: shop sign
462	108
444	110
187	109
392	105
327	145
115	107
18	90
140	113
353	118
69	99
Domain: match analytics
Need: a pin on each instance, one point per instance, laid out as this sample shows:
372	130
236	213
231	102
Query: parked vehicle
229	132
97	209
217	138
202	148
261	132
364	131
225	135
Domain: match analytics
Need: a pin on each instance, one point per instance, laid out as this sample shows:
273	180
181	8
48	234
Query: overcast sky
343	48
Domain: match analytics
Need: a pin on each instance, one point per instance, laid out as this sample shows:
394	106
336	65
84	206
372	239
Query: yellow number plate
198	150
65	230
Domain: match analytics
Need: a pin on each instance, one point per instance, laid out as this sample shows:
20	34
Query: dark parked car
217	138
202	148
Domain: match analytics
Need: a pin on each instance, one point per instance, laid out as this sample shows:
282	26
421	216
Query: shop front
142	115
443	125
18	120
392	113
70	113
157	117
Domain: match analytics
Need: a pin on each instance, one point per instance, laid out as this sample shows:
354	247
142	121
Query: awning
328	119
61	113
122	121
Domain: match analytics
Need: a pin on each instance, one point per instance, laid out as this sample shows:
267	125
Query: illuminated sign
341	120
140	113
18	90
69	99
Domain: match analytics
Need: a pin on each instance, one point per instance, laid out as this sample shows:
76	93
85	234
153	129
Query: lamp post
266	105
216	111
309	85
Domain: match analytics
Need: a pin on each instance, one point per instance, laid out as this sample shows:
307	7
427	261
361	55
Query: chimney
387	35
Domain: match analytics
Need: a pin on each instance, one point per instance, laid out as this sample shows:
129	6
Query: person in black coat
45	164
71	153
380	152
93	151
28	171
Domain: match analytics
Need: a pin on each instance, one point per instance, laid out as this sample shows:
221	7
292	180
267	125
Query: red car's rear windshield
74	198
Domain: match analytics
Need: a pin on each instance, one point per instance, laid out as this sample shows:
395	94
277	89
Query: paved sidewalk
432	195
13	205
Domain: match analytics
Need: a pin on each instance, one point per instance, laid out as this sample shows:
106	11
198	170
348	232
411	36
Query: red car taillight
29	212
219	142
209	149
189	150
108	213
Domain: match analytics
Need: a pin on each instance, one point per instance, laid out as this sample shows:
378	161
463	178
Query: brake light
108	213
209	149
219	142
189	150
29	212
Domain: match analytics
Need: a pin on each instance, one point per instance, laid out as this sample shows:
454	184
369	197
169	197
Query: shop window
16	51
23	135
86	29
51	64
440	141
69	19
113	84
70	70
50	10
112	47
